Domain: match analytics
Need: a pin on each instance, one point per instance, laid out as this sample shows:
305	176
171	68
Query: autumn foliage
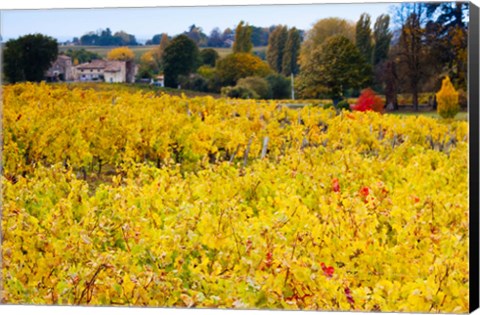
357	211
121	53
447	99
369	100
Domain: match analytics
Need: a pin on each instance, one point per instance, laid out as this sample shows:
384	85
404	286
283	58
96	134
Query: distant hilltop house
61	70
112	71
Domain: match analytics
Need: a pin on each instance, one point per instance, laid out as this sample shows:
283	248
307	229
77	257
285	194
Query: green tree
382	37
280	86
240	65
181	57
82	55
276	47
27	58
363	37
381	47
155	40
243	41
260	36
291	52
335	67
209	56
322	30
125	39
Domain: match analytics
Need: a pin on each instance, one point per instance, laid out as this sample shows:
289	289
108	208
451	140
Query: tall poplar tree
291	52
276	45
243	41
157	52
363	37
382	37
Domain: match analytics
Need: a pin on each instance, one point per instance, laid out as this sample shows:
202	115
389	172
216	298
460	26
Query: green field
103	50
140	50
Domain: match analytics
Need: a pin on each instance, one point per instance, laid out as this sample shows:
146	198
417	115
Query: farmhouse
61	69
112	71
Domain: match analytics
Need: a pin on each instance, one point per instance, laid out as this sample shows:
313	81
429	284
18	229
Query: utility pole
293	91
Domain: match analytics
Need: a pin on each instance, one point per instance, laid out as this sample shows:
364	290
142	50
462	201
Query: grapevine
120	198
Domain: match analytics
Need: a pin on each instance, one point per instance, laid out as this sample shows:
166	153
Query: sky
64	24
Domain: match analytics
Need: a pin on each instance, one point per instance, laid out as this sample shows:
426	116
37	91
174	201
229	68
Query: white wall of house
88	74
115	77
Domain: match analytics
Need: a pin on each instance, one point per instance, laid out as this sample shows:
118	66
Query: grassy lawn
225	51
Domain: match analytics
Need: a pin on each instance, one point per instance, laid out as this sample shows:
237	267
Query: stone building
61	70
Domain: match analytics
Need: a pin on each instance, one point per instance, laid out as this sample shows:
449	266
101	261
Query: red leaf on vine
348	294
327	271
335	185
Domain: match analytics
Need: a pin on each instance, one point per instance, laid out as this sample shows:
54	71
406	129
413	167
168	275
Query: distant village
99	70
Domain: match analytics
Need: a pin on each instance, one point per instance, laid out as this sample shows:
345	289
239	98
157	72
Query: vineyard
120	198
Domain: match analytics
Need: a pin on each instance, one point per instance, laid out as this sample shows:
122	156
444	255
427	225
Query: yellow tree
121	53
447	99
148	65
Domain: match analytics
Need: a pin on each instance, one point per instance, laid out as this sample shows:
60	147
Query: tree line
429	43
106	38
409	51
216	39
239	74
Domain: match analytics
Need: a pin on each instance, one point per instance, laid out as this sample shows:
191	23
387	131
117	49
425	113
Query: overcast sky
64	24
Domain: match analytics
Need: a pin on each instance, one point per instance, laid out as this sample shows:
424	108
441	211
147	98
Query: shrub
240	65
239	92
343	105
368	100
280	86
447	100
328	105
206	72
194	82
258	85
